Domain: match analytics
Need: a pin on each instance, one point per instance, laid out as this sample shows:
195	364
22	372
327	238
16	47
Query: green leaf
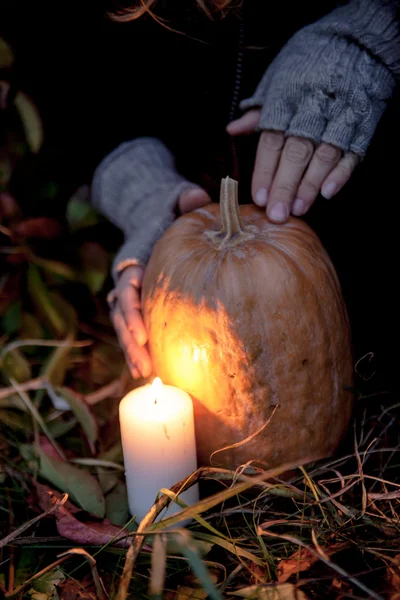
44	303
13	420
31	121
46	584
30	327
61	426
15	366
83	414
95	265
284	591
13	401
117	511
56	267
82	487
80	213
11	320
27	564
6	55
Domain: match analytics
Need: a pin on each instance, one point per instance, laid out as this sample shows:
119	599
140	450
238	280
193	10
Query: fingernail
298	208
135	372
261	197
278	213
328	190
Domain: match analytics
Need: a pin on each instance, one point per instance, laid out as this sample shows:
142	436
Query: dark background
67	61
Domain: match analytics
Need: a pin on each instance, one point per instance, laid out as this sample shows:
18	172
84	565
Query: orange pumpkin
248	317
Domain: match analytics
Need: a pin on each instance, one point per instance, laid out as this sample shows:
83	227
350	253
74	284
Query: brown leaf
70	589
95	533
44	495
393	575
302	560
44	228
68	526
8	206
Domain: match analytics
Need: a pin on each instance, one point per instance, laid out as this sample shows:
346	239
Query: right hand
125	302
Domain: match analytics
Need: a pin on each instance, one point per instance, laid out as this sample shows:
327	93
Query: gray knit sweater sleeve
137	188
332	80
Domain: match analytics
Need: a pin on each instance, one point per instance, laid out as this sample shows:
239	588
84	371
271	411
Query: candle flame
156	388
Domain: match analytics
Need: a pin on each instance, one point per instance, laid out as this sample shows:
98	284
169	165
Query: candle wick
155	400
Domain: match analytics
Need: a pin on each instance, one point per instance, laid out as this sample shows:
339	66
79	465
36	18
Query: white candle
158	441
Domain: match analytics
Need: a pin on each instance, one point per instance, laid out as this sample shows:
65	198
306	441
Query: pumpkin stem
232	231
229	207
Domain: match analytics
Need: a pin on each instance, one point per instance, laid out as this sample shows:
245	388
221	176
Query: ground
331	531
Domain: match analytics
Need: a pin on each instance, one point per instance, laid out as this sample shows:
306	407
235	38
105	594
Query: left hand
290	172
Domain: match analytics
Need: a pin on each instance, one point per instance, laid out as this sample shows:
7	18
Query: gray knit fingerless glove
332	80
137	188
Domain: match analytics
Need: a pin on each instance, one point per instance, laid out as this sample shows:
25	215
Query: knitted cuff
137	188
325	85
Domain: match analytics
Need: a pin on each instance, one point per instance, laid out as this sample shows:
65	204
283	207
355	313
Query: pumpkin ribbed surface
253	325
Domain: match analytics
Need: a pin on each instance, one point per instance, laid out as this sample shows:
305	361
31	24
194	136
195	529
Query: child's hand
290	172
124	300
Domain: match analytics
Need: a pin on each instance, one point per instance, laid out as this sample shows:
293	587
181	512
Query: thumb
192	198
246	124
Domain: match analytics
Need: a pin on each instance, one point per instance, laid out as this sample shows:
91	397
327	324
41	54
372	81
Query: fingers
325	158
267	160
340	175
246	124
129	303
289	173
192	198
136	356
128	321
296	155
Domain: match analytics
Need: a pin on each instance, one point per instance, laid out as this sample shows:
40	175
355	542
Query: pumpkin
248	317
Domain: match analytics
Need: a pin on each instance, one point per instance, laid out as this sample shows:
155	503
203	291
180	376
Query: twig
38	342
111	389
14	534
38	541
62	558
93	568
28	386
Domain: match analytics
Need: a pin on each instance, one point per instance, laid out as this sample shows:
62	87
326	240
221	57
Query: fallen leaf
44	587
393	574
284	591
81	486
45	493
82	413
302	560
93	533
76	590
188	593
117	510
